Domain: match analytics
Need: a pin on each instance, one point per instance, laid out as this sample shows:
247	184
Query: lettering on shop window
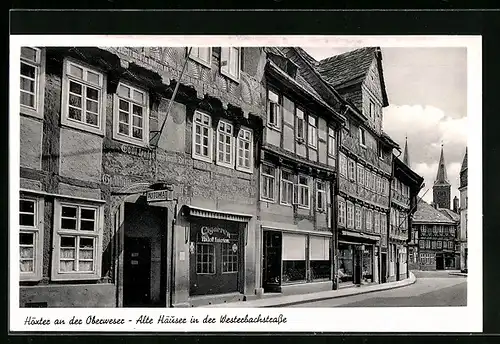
214	235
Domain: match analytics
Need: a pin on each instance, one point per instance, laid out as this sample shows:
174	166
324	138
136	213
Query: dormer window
362	137
372	110
273	110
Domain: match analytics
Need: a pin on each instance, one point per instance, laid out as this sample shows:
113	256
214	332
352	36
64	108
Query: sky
427	91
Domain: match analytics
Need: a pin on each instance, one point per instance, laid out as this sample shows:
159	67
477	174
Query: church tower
442	188
406	155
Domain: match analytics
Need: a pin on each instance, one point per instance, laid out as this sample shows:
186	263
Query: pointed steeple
406	155
441	177
464	162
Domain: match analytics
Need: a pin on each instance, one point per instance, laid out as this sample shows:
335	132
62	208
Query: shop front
296	261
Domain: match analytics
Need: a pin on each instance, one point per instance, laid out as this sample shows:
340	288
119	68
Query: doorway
439	262
383	268
137	272
271	262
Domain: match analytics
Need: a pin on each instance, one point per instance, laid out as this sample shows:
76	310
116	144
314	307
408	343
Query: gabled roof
451	214
426	213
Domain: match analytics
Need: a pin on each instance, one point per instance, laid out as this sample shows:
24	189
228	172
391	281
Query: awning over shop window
216	214
319	248
294	247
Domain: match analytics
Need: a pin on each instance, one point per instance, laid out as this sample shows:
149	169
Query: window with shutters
131	115
83	94
312	132
320	195
202	55
350	215
343	165
361	174
32	86
230	62
273	110
331	142
369	216
31	216
77	239
357	219
352	170
303	192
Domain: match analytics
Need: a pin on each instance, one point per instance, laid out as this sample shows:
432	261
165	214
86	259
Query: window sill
30	278
202	158
300	141
267	200
223	164
286	204
312	147
362	145
232	77
274	127
303	207
244	169
82	127
30	112
131	141
207	64
74	277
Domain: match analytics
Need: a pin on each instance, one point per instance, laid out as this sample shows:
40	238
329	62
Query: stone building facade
464	200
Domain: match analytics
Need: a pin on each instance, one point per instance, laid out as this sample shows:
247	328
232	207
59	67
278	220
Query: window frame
288	182
360	174
214	265
358	217
248	169
262	175
225	70
368	220
351	172
305	187
199	60
362	137
194	155
342	213
37	231
312	131
144	142
303	135
349	220
66	78
323	197
96	235
225	134
343	165
332	140
39	65
279	109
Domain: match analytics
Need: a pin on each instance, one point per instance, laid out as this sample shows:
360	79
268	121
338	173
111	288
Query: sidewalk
282	301
455	273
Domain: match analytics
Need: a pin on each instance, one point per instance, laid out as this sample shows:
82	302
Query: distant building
435	228
462	237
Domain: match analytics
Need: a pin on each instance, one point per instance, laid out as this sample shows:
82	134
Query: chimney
455	204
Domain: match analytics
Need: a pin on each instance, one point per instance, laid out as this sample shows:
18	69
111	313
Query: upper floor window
372	110
244	150
30	238
362	137
380	152
343	165
287	182
202	136
369	216
320	195
268	180
225	154
131	115
202	55
331	142
357	221
383	222
273	109
342	213
303	192
377	222
350	215
230	62
77	241
361	174
439	244
352	171
312	134
300	129
31	88
83	97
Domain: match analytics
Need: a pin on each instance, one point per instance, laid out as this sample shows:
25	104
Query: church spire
441	177
464	162
406	155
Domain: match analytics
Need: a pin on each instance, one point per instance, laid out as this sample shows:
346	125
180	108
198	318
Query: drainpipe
334	191
171	242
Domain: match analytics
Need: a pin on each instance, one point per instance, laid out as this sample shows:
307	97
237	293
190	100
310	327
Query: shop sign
139	152
215	235
235	248
159	195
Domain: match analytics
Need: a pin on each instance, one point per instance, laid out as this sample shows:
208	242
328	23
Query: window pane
69	211
75	71
123	105
26	238
123	91
137	133
87	225
139	96
75	87
123	117
27	206
92	106
273	96
85	266
137	110
75	114
26	252
27	85
92	118
92	93
26	220
93	77
27	99
28	53
123	128
26	266
234	62
67	241
67	266
75	101
137	121
28	71
86	243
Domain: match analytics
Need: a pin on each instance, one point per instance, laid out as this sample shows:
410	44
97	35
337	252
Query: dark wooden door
137	272
384	268
439	262
271	267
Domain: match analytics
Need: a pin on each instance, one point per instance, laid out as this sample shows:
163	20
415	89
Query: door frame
265	234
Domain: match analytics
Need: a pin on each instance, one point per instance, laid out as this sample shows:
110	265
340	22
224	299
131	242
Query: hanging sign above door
159	195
